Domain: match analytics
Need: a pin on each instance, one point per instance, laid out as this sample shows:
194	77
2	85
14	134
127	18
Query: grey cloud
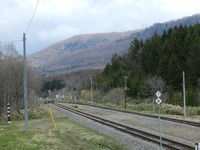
90	17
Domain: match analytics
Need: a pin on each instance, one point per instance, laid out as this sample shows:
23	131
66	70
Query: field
42	136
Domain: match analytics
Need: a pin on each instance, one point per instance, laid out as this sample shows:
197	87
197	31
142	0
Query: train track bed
171	130
193	121
127	140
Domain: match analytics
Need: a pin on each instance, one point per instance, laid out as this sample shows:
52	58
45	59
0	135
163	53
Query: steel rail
168	143
191	123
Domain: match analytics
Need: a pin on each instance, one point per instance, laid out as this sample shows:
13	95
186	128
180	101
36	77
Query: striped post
197	146
8	110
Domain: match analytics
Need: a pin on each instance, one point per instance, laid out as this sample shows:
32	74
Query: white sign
158	101
158	94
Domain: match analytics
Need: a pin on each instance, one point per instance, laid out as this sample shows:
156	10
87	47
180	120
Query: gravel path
175	131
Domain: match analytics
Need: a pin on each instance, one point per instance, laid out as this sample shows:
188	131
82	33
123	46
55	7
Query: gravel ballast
124	139
175	131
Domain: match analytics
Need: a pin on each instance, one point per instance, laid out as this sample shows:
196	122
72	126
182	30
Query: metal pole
91	90
49	94
25	86
153	106
160	128
158	101
184	101
74	95
125	77
125	99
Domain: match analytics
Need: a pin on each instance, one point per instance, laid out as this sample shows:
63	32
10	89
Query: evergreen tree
173	73
166	55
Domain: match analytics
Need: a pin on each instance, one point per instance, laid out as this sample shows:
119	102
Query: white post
184	101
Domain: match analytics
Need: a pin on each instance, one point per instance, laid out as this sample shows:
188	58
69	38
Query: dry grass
42	135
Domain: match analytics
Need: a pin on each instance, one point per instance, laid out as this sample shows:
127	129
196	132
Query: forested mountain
157	64
95	50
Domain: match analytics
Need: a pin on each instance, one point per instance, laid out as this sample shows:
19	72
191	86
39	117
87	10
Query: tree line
12	78
157	64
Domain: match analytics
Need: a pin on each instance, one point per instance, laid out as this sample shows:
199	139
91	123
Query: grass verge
42	136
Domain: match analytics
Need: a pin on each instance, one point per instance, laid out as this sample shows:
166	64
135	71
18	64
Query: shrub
198	111
115	96
172	109
34	112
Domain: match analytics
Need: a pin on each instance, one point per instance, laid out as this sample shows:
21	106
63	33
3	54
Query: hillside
94	50
158	64
79	52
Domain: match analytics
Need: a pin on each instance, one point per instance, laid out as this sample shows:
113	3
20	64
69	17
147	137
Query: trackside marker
55	127
8	111
158	101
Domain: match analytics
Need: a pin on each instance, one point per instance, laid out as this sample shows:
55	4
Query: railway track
167	143
191	123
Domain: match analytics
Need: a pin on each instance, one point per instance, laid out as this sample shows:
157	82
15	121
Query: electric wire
4	43
15	41
32	17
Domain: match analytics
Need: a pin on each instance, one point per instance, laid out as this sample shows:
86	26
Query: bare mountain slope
94	50
79	52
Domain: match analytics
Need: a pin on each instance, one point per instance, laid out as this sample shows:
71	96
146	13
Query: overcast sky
56	20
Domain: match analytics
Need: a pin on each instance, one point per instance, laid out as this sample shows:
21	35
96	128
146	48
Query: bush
115	96
142	107
34	112
191	111
198	112
172	109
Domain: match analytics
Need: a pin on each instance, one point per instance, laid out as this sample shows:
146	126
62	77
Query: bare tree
151	85
11	78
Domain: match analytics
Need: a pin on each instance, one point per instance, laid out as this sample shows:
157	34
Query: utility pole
25	86
91	90
125	91
74	95
49	94
184	101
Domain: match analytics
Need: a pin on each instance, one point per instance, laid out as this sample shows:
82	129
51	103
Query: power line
15	41
32	17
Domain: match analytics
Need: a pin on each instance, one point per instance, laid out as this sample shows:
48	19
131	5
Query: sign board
158	94
158	101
